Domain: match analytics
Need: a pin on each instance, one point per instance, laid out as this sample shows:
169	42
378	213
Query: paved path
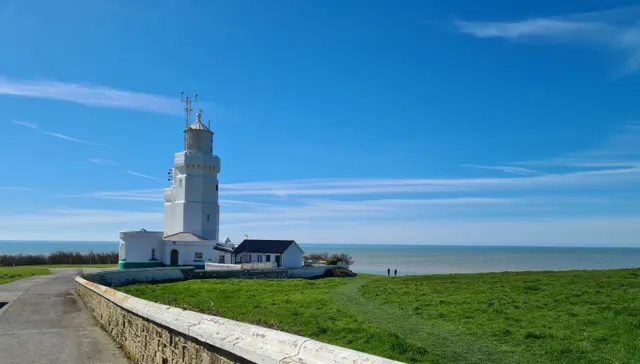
45	322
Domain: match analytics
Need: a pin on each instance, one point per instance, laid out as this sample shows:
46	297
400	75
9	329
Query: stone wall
147	342
212	266
267	273
122	277
149	332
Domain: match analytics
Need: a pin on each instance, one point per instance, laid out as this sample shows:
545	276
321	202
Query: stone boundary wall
211	266
267	273
123	277
263	265
149	332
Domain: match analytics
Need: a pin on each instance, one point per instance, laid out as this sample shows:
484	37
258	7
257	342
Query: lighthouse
191	211
191	203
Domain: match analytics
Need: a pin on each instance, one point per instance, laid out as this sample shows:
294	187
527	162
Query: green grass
528	317
10	274
77	266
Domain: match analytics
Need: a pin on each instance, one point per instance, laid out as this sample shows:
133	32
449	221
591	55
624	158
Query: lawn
526	317
9	274
78	266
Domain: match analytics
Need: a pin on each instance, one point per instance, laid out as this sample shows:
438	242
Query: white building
191	210
285	253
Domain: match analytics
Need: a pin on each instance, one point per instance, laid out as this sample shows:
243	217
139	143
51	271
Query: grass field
77	266
527	317
10	274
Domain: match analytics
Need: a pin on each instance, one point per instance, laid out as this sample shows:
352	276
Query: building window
179	182
268	258
221	259
259	258
153	254
207	217
197	256
249	260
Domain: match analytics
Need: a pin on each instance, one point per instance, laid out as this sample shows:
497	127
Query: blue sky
419	122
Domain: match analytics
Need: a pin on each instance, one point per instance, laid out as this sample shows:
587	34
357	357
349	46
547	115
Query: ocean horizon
416	259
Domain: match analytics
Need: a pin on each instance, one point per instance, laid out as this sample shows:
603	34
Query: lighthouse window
216	187
207	217
153	254
179	183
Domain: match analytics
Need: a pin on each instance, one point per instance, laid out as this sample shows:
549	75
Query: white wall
191	204
217	254
292	257
138	245
254	258
187	250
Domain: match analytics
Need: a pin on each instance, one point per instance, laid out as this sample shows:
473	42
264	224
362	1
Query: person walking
395	272
388	271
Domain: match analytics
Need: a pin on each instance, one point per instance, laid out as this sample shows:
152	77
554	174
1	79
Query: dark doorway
174	257
278	260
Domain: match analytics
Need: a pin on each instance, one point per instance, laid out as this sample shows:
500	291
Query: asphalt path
46	322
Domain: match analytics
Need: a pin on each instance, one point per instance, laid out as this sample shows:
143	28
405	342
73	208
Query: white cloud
79	217
56	135
506	169
543	208
154	194
26	124
81	224
138	174
598	231
617	29
103	161
17	188
620	150
91	95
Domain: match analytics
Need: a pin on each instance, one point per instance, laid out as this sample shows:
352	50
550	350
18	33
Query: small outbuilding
285	253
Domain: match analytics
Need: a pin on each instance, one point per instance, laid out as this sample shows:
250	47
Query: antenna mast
187	112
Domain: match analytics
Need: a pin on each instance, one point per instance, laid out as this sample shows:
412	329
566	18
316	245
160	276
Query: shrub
339	272
316	257
342	257
330	259
59	257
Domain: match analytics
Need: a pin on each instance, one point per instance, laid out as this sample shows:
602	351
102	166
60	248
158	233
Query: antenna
187	112
187	106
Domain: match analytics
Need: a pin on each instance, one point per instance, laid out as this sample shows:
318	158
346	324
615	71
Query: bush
339	272
330	259
59	257
316	257
342	257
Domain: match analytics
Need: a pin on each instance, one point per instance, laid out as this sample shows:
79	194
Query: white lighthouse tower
191	209
191	203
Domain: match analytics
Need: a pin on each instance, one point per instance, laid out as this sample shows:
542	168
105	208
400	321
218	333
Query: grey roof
263	246
198	125
222	248
184	237
226	240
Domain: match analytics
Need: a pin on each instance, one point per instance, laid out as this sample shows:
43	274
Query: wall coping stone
251	342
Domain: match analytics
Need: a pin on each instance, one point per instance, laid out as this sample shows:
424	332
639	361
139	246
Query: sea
416	259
